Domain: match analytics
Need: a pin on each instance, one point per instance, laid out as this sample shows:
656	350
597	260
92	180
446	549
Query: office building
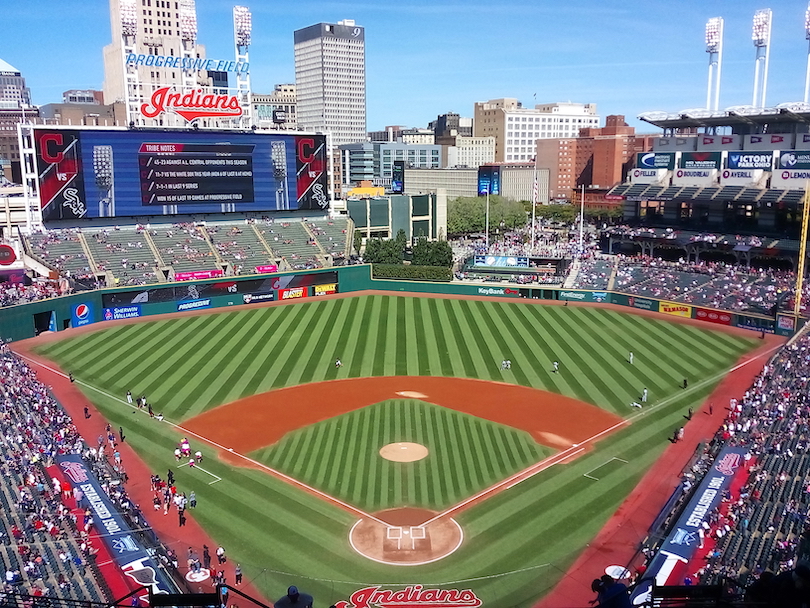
516	128
278	110
15	106
374	161
330	77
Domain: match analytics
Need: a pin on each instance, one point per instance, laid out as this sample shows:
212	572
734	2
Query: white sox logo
413	596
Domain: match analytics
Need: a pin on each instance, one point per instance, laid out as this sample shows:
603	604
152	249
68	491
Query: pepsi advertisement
92	173
81	314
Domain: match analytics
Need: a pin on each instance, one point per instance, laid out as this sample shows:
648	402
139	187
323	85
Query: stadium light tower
188	35
242	29
128	17
714	47
807	36
761	36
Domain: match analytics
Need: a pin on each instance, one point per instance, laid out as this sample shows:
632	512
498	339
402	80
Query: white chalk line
291	480
196	466
507	483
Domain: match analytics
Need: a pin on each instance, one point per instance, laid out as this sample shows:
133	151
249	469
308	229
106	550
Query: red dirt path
260	420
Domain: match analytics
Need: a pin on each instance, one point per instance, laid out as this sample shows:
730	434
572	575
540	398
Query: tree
441	254
358	241
466	215
421	252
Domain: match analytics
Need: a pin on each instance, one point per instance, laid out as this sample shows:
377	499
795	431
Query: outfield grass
518	543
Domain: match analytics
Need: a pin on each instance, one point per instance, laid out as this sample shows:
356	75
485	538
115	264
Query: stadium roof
744	117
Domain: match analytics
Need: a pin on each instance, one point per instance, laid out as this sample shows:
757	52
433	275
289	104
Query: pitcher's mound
406	537
403	452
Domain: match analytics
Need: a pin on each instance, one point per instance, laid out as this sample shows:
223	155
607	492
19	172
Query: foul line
272	471
506	484
541	466
196	466
588	474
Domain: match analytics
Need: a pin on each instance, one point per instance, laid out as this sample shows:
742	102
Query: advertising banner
412	596
756	323
642	303
786	323
655	160
122	312
325	290
489	180
91	173
502	261
292	294
398	177
750	160
583	296
267	268
194	305
686	535
675	308
794	160
127	551
498	291
713	316
81	314
198	274
700	160
252	298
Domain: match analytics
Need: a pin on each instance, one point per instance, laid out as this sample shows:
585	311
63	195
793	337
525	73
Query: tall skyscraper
330	77
154	49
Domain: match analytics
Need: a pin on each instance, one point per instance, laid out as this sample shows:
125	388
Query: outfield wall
27	320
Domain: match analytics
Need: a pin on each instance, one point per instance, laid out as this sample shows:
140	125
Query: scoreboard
91	173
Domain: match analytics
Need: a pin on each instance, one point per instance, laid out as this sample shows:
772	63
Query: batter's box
605	469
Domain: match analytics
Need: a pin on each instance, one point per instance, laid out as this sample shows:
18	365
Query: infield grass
517	543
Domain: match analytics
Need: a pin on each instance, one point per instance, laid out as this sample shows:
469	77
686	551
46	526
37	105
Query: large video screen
91	173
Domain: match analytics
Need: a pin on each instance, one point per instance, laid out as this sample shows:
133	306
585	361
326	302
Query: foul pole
797	298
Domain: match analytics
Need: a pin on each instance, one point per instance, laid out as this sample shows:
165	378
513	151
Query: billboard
655	160
700	160
741	177
675	308
694	177
713	316
489	180
648	176
91	173
794	160
790	180
750	160
398	177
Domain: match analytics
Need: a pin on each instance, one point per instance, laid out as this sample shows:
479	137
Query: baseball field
419	460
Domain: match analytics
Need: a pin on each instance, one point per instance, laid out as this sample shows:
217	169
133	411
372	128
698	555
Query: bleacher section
131	256
333	236
125	253
240	245
293	244
62	250
184	247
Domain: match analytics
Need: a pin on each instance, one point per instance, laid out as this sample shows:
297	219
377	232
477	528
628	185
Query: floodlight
128	12
242	25
807	22
188	21
761	32
714	27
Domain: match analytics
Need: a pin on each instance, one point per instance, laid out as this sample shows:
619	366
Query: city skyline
424	59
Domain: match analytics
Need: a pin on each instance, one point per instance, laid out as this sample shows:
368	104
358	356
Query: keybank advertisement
127	551
91	173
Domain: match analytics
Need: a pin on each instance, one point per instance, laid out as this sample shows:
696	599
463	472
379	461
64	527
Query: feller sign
413	596
192	105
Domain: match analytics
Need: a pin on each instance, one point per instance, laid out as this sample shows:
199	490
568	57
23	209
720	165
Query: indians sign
192	105
413	596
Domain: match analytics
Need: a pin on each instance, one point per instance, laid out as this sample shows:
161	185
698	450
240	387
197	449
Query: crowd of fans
46	526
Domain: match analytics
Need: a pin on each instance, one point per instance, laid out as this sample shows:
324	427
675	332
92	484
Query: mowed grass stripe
442	349
487	355
367	315
490	334
317	363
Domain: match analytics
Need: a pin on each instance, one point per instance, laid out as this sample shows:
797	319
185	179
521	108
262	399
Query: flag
535	189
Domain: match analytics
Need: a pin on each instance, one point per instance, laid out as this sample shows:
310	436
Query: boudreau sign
192	104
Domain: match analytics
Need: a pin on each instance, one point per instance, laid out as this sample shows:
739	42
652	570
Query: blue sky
425	58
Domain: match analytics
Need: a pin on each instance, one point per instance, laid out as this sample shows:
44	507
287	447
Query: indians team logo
75	471
413	596
192	105
728	464
82	312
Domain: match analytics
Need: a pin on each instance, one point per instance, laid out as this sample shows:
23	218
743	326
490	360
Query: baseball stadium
224	385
